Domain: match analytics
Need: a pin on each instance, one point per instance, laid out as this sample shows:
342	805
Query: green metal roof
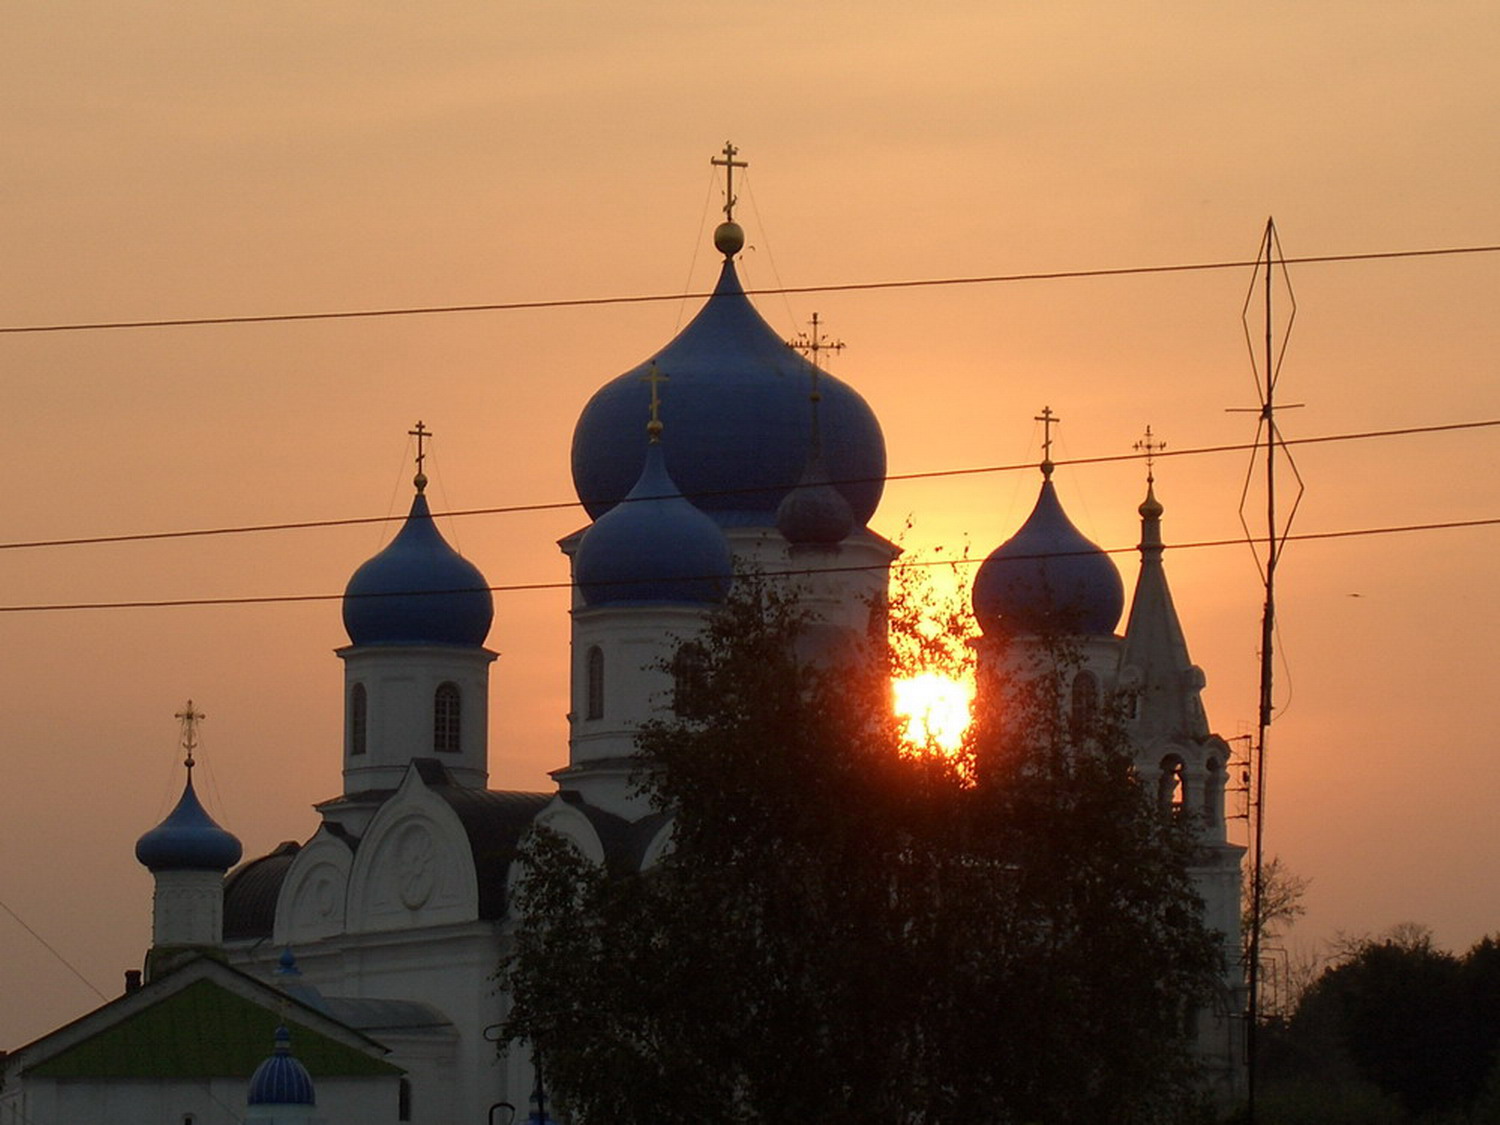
203	1031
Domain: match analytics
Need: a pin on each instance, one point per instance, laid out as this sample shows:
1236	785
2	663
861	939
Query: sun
935	707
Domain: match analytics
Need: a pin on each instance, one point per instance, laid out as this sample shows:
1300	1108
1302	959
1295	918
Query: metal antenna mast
1270	264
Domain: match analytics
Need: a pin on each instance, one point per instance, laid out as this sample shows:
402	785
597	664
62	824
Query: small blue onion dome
418	591
188	840
739	408
1048	577
655	547
281	1079
815	513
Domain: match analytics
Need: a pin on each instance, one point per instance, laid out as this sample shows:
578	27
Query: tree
1290	974
844	932
1282	892
1398	1015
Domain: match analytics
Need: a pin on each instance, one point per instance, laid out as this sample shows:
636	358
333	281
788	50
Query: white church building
376	941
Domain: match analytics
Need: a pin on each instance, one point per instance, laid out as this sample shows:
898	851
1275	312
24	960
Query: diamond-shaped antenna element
1267	324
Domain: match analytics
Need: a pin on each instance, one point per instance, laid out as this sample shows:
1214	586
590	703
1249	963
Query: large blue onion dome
739	409
418	591
655	547
1048	577
281	1079
188	840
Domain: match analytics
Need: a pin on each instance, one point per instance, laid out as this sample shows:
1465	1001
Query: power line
647	298
50	948
523	587
559	505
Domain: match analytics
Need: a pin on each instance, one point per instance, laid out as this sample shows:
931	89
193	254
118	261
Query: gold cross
655	378
1150	447
1048	420
815	342
729	164
189	717
421	433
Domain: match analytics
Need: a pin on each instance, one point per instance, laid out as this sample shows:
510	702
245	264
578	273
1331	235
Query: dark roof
359	797
376	1016
624	842
494	821
250	893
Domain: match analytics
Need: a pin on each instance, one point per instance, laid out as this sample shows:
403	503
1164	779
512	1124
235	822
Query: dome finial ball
729	239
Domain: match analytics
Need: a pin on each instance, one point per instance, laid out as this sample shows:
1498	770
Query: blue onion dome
188	840
418	591
815	513
281	1079
655	547
1048	577
739	408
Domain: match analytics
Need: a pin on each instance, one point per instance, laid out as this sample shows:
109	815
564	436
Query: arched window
1085	703
403	1100
594	683
447	719
1169	794
358	707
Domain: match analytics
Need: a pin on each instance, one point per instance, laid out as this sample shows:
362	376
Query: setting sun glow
935	707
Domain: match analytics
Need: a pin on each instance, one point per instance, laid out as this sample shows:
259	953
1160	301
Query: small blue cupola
189	839
1048	577
815	514
655	547
281	1079
418	590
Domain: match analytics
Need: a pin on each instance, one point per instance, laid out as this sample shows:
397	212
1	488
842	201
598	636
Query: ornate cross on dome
189	717
1150	447
1048	420
655	378
729	164
421	433
814	342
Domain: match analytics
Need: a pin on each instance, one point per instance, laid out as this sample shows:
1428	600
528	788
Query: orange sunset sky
172	160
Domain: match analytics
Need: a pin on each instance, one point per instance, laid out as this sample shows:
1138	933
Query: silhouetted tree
845	932
1398	1015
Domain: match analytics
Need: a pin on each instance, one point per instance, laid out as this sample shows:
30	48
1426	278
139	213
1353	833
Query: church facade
727	449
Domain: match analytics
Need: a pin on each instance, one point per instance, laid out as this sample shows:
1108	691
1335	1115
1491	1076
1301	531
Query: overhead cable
520	587
648	298
559	505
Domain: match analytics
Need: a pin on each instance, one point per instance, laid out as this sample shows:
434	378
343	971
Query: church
366	954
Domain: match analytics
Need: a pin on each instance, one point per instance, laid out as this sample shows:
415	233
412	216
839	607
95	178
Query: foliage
847	933
1399	1016
926	628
